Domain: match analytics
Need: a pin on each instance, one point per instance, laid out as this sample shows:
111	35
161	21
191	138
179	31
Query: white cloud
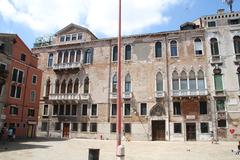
100	16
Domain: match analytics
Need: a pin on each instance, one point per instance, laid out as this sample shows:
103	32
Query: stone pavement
77	149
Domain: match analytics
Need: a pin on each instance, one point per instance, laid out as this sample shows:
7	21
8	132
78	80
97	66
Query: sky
34	18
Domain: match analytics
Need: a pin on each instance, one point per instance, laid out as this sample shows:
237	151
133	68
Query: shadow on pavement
19	144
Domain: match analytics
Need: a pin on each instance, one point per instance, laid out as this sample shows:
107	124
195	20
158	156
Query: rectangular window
184	85
93	127
79	36
204	127
222	123
13	110
84	127
84	109
74	110
17	76
176	108
62	38
31	112
203	107
127	127
14	75
113	127
68	37
218	82
175	83
3	66
212	24
20	76
127	109
233	21
23	57
13	89
74	126
33	96
45	110
34	79
94	110
57	126
50	60
177	127
44	126
143	109
55	109
220	104
18	93
74	37
61	110
114	109
68	109
192	84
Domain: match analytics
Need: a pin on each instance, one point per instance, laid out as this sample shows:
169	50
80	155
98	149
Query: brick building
22	87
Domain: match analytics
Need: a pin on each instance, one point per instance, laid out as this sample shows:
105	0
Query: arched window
173	46
50	60
158	49
65	59
183	81
57	84
69	87
76	84
59	57
198	46
115	54
72	55
236	40
159	82
214	46
128	52
63	86
78	57
128	83
192	80
114	83
201	82
48	83
88	56
175	81
86	85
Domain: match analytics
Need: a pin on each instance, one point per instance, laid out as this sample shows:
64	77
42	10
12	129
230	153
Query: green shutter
218	82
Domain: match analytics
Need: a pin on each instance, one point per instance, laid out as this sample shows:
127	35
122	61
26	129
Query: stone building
177	85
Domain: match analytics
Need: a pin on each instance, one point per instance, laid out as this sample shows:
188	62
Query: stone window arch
63	86
175	80
158	49
76	84
128	52
86	85
69	87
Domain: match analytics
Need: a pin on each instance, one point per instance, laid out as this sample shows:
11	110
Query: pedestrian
10	133
14	133
2	133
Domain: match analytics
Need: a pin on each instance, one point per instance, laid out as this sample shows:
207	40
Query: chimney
220	11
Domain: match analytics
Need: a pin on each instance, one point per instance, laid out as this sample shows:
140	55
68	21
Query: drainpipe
24	95
109	80
168	91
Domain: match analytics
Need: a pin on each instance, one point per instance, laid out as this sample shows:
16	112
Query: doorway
158	130
191	131
66	130
30	131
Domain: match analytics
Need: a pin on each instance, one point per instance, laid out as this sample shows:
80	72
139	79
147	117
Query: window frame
175	129
201	110
84	104
29	113
112	110
34	83
33	98
93	130
201	129
73	129
83	127
177	112
171	54
23	57
91	112
196	51
124	111
158	55
112	128
130	128
128	55
113	53
43	129
13	111
43	112
140	109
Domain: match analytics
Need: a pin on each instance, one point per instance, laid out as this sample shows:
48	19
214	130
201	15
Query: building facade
167	82
22	88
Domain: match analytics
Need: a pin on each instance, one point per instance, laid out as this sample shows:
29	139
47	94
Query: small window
15	91
115	54
88	56
23	57
18	93
45	110
55	109
34	79
86	85
177	128
220	104
114	83
114	110
68	37
33	96
173	46
94	110
31	112
93	127
203	107
14	75
3	66
204	128
175	81
20	76
176	108
212	24
128	52
233	21
127	109
236	41
61	110
159	82
84	109
113	127
62	38
158	50
127	127
214	47
13	110
128	83
75	127
74	110
79	36
50	60
222	123
143	109
198	46
74	37
218	82
44	126
84	127
68	110
57	126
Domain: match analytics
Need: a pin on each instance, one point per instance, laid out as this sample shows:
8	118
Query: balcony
67	66
219	93
113	95
189	93
65	97
216	59
85	96
159	94
127	95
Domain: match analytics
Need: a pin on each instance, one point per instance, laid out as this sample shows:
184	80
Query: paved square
77	149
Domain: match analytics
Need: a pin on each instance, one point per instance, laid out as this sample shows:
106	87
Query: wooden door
30	131
66	130
191	131
158	130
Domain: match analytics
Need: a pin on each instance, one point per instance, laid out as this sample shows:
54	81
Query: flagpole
120	149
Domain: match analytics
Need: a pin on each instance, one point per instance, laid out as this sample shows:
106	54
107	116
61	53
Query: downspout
24	95
109	80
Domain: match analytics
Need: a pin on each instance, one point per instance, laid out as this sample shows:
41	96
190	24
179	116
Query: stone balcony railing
127	95
186	93
85	96
216	59
65	97
65	66
159	94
